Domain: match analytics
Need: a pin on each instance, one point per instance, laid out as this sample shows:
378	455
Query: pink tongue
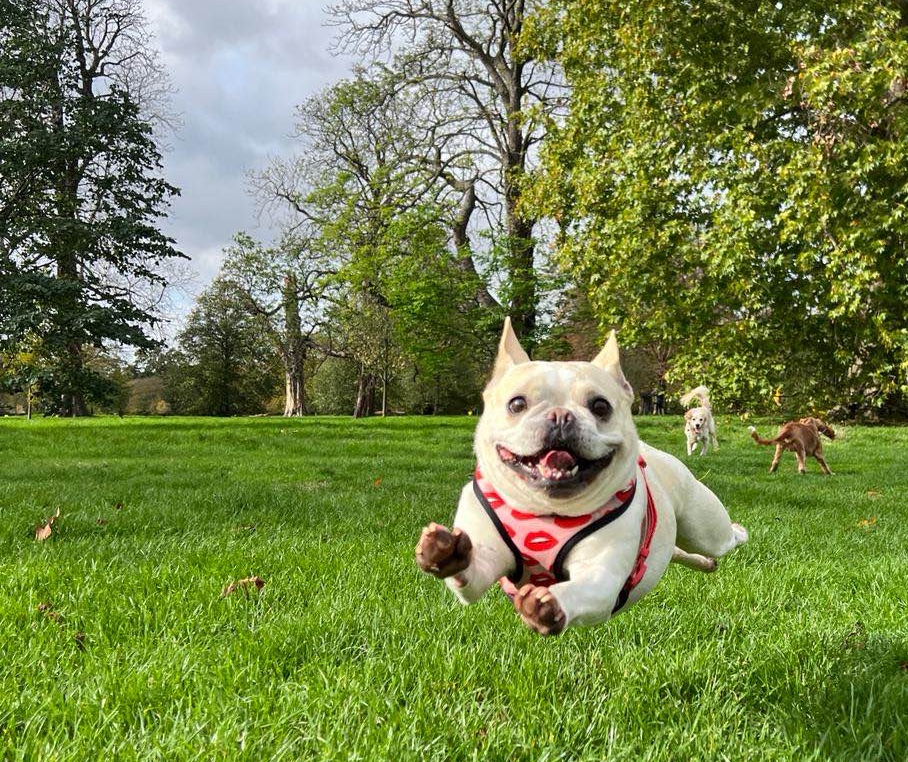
556	460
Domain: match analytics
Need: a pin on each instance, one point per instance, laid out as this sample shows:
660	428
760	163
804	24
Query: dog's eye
517	405
600	407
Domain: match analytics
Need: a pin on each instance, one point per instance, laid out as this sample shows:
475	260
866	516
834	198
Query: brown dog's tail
756	437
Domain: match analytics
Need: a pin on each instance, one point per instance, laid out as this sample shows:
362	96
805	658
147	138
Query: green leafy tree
730	185
287	286
490	101
81	257
403	301
230	366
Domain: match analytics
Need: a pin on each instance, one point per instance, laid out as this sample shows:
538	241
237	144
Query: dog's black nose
562	424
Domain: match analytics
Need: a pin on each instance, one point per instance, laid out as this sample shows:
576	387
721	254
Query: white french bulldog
569	509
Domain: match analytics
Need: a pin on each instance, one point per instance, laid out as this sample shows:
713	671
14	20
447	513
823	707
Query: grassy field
118	644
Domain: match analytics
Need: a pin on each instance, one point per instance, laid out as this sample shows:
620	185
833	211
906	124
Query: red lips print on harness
540	544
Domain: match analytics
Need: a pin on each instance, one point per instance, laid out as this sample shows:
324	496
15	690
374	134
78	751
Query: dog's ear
688	414
510	353
609	360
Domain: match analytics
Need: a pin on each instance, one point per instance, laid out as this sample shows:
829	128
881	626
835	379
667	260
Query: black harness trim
516	575
607	518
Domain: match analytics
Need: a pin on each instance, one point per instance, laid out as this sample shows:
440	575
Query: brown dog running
802	438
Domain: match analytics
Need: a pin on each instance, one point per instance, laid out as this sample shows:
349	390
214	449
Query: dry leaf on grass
43	531
244	585
48	610
867	523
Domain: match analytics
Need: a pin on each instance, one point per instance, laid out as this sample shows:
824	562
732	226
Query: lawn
117	642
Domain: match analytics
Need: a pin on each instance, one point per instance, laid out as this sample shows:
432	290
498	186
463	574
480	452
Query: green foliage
332	387
80	194
228	365
731	183
405	308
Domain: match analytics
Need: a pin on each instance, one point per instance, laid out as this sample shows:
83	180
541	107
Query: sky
239	67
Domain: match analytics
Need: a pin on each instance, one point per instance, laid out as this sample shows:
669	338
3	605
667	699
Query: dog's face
696	420
556	437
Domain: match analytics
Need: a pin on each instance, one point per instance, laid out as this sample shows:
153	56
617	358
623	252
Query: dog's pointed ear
609	359
510	353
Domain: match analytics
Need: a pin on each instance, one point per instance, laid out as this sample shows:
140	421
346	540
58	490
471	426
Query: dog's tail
701	393
758	439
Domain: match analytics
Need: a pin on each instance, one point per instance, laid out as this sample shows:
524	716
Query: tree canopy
80	188
730	183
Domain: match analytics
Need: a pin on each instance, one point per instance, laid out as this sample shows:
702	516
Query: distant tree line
725	185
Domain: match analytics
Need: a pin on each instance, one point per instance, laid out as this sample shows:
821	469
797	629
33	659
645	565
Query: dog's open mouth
556	470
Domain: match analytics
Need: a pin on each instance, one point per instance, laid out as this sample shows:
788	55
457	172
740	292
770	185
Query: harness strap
647	530
517	574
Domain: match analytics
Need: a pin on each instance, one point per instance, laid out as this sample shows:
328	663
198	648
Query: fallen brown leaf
244	585
101	522
43	531
377	482
118	507
79	638
48	610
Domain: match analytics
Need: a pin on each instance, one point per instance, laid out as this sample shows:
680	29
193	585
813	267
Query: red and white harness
540	544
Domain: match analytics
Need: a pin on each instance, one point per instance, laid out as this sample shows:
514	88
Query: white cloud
239	68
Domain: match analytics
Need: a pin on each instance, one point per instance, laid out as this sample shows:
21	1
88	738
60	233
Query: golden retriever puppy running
699	424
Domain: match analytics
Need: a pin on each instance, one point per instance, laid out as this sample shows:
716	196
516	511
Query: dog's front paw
441	552
539	610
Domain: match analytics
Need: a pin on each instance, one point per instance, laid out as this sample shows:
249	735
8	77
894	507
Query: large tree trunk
73	402
521	246
65	245
294	351
294	394
522	271
365	395
463	247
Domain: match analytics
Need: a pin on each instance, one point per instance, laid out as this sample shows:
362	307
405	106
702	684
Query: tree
230	366
286	286
730	185
492	100
357	192
80	194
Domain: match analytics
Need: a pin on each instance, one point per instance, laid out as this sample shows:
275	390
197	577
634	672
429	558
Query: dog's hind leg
703	525
694	561
822	461
775	458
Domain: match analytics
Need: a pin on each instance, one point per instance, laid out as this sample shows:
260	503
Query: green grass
797	649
